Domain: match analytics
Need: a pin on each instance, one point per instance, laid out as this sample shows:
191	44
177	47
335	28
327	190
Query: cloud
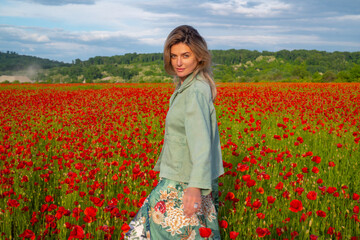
26	34
61	2
105	14
70	29
277	42
262	39
66	45
248	8
346	18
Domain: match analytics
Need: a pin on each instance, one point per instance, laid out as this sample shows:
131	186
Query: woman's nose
179	61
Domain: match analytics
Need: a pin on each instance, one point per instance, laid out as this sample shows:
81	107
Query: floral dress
162	215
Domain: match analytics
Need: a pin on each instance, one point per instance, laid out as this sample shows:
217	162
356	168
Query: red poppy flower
313	237
28	234
223	224
271	199
250	183
13	203
90	213
316	159
303	217
256	205
277	137
77	232
205	232
356	209
331	231
286	220
246	177
76	213
279	186
24	179
230	196
315	170
49	198
294	234
125	228
260	190
296	205
331	190
356	196
242	167
262	232
286	194
49	218
321	213
126	190
115	177
299	190
233	235
97	201
311	195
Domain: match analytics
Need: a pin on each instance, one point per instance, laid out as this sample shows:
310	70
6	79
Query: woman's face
183	60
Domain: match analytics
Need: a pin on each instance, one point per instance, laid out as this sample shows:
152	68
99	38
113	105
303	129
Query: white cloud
106	14
67	45
60	2
248	8
23	33
152	41
36	38
233	40
346	18
69	29
261	41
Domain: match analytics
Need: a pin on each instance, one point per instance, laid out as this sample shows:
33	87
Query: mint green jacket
191	152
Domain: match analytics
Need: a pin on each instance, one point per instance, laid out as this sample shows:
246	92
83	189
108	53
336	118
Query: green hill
228	66
11	62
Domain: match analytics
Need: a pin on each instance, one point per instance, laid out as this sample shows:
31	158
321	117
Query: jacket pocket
175	152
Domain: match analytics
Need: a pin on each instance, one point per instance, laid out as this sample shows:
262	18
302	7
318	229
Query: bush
329	76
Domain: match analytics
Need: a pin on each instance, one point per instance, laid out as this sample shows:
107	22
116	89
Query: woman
185	200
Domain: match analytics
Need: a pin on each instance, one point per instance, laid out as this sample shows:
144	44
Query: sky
65	30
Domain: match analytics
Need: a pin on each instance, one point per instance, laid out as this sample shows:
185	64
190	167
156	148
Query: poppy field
76	160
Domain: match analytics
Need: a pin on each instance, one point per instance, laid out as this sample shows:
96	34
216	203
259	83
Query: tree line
228	66
11	62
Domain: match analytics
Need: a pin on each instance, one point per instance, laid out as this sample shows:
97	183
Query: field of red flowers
76	160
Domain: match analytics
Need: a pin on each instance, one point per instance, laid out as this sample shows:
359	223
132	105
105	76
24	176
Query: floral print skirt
162	215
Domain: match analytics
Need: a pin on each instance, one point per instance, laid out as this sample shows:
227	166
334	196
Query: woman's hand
191	196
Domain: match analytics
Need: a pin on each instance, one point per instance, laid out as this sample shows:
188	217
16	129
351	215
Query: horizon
72	61
65	30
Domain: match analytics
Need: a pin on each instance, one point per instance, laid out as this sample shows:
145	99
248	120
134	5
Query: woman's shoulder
201	85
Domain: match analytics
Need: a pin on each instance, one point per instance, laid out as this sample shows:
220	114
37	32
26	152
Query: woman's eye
186	56
173	56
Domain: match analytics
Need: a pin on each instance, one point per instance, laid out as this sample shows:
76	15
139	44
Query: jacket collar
187	82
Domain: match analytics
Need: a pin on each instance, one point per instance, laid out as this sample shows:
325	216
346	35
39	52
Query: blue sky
68	29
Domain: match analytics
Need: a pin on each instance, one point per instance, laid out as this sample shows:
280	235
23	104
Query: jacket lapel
187	83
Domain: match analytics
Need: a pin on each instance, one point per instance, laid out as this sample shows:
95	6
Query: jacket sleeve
198	135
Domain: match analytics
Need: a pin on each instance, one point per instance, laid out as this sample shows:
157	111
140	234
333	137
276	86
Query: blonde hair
190	36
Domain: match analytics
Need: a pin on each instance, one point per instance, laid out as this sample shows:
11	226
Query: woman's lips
180	69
